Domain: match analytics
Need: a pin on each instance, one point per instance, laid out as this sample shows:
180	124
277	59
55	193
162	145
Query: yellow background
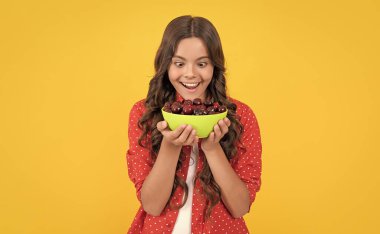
71	70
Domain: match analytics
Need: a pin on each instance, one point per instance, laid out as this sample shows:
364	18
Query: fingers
224	124
211	137
178	131
162	125
227	121
220	129
217	131
191	139
186	135
196	140
183	137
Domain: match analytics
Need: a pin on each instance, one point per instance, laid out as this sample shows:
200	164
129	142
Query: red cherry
176	107
195	107
202	107
187	102
208	102
187	109
222	109
167	109
198	112
168	104
211	109
197	101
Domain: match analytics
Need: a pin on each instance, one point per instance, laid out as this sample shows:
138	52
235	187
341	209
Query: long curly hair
161	91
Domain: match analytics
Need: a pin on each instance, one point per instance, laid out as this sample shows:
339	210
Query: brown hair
161	91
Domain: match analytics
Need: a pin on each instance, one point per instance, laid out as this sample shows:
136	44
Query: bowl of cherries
202	116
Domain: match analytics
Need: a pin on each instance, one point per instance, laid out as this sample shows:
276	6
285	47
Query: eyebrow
177	56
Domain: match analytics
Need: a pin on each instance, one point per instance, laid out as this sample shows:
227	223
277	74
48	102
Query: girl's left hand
220	129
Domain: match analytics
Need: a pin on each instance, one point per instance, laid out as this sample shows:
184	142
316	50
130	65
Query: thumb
161	125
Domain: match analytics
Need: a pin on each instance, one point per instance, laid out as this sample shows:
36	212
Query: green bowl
203	124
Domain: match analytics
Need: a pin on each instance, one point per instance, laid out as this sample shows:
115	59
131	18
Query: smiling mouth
190	85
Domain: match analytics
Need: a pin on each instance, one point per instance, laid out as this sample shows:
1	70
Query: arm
158	185
239	181
235	194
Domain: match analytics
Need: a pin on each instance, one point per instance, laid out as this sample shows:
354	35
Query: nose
190	72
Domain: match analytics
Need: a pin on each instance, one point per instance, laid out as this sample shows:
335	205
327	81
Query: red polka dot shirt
247	166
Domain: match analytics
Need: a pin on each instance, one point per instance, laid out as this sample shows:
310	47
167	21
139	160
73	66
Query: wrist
169	145
212	150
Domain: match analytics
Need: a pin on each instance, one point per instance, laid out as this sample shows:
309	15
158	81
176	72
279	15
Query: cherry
176	107
167	104
187	102
167	109
187	109
202	107
208	102
195	107
211	110
222	109
200	112
197	101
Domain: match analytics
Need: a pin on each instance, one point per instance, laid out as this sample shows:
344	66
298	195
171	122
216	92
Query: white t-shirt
183	222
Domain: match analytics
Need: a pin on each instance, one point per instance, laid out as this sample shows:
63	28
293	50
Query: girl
186	184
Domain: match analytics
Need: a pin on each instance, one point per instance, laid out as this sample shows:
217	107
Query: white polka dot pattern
247	165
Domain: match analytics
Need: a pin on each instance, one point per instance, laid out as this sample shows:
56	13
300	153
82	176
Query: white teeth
190	84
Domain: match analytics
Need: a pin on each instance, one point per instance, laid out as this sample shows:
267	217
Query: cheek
173	74
208	73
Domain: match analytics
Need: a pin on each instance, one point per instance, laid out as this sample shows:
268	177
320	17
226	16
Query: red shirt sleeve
138	157
248	161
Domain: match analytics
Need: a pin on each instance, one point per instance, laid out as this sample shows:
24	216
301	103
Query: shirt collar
178	97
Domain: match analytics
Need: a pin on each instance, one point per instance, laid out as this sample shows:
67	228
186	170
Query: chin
191	97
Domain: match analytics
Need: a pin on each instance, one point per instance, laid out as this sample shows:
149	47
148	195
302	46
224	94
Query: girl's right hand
182	135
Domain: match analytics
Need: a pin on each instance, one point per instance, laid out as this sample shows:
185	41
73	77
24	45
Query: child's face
190	70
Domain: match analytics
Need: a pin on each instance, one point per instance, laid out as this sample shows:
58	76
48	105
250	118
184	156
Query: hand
220	129
182	135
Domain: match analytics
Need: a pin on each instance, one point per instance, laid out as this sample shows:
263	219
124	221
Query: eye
202	64
178	64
